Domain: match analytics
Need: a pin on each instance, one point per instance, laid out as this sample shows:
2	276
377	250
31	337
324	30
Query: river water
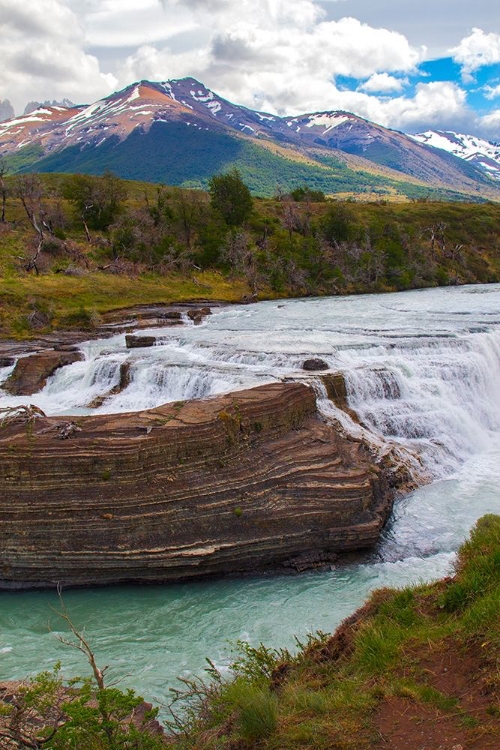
422	370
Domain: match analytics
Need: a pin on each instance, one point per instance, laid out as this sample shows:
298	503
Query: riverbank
414	668
166	245
419	365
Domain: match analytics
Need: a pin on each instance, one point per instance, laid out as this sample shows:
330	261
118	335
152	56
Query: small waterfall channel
422	371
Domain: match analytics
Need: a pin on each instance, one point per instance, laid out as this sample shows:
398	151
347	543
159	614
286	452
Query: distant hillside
180	133
81	245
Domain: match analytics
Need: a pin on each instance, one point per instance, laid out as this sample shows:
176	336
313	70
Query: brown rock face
30	373
236	483
197	314
136	342
336	388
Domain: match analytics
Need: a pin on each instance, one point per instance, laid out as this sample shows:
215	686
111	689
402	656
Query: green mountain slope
177	154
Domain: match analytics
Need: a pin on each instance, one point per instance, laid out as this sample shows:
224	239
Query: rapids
422	370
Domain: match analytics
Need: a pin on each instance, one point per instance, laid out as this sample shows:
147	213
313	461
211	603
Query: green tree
97	200
304	193
230	197
338	224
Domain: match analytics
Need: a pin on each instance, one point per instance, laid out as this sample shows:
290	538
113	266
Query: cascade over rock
241	482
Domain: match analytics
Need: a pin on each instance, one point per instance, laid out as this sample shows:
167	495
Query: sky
407	65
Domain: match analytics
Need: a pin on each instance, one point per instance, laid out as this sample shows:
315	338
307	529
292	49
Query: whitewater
422	371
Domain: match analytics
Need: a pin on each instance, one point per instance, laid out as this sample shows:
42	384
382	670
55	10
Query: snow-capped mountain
485	155
179	130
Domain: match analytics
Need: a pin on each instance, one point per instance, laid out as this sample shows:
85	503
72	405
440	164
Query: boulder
123	383
312	365
198	314
135	342
31	373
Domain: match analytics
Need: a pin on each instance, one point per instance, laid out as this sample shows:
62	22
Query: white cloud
383	83
278	55
159	65
491	92
270	58
434	104
490	124
475	51
41	49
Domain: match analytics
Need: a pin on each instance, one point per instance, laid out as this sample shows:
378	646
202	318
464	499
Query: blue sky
481	97
406	65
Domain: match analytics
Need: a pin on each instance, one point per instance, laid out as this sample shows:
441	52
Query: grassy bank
33	305
72	248
415	668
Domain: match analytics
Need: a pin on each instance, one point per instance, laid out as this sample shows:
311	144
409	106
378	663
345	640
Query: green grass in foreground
335	692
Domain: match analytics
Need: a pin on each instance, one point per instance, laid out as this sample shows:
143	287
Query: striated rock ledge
241	482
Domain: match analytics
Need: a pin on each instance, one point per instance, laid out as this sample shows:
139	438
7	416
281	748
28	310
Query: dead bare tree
26	414
437	237
30	191
3	189
80	642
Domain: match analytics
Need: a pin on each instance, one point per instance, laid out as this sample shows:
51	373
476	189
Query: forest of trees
298	243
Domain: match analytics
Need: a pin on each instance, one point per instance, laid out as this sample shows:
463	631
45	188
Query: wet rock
123	383
197	314
312	365
311	559
388	385
66	348
336	388
135	342
31	373
7	361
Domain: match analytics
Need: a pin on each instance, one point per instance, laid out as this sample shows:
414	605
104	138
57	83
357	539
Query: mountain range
181	133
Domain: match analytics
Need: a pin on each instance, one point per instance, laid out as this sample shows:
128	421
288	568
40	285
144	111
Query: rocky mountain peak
6	110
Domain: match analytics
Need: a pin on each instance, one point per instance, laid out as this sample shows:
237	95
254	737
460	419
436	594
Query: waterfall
442	398
422	371
422	368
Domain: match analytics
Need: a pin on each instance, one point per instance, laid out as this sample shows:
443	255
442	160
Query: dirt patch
459	673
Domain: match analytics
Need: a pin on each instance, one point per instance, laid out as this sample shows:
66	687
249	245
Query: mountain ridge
162	113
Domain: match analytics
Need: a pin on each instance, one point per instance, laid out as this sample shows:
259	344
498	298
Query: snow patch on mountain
329	119
483	154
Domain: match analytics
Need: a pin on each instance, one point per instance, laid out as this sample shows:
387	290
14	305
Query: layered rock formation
31	373
241	482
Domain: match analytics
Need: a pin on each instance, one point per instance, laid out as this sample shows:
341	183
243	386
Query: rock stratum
241	482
